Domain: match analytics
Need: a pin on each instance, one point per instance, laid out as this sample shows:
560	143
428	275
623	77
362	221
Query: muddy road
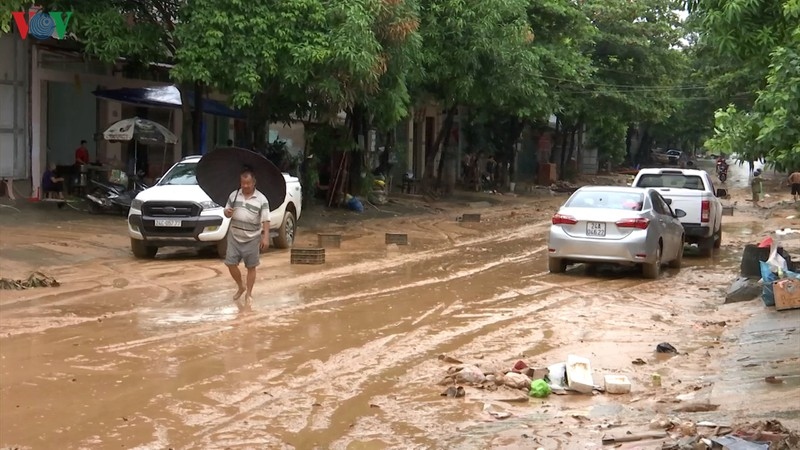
153	354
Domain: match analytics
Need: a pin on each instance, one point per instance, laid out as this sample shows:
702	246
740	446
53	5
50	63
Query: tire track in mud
355	272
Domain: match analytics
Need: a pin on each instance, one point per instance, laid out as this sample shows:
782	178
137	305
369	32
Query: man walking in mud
248	210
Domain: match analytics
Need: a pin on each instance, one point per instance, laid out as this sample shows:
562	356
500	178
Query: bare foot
248	303
238	294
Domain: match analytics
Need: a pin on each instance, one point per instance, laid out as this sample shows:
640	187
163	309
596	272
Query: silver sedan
622	225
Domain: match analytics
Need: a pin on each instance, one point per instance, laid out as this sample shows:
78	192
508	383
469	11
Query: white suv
176	212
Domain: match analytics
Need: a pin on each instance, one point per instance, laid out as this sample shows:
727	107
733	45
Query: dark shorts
249	252
55	187
795	188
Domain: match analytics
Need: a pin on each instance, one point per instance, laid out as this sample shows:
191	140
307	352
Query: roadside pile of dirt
34	280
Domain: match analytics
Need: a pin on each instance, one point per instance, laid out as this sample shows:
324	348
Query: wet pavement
153	354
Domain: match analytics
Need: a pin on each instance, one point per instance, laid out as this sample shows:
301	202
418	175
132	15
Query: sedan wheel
678	261
652	271
556	265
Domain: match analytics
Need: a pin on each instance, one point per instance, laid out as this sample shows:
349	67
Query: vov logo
42	25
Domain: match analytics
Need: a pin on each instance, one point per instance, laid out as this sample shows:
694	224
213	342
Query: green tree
475	54
753	49
636	56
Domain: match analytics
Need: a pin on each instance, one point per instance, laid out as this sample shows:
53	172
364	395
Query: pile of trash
34	280
573	376
677	434
765	268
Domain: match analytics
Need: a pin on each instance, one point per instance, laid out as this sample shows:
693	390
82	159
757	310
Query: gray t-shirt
248	215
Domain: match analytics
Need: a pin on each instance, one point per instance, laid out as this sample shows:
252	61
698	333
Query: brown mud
153	354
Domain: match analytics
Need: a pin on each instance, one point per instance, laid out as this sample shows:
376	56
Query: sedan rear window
607	200
671	180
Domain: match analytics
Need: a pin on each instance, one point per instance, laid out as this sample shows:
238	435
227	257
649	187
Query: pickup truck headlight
210	205
137	204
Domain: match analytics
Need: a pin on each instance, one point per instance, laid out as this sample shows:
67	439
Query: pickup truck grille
171	209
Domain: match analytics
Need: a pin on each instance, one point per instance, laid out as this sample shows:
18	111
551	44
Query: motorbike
722	171
114	195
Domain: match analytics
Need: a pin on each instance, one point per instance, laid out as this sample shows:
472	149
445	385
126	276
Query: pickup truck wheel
556	265
706	246
143	251
653	270
678	261
718	240
222	247
285	238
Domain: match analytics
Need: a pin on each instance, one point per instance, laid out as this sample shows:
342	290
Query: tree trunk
570	151
644	145
563	157
445	154
187	134
554	156
429	177
197	118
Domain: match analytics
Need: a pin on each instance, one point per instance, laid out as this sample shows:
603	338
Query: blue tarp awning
164	97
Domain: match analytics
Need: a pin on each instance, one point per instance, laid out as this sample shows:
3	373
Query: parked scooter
114	196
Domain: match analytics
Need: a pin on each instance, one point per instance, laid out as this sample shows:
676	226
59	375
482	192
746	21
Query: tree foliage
754	48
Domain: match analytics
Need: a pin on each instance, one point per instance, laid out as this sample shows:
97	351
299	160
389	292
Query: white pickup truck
692	191
176	212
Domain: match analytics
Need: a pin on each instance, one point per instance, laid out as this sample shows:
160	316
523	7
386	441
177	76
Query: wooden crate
397	238
329	240
470	218
787	294
727	210
308	256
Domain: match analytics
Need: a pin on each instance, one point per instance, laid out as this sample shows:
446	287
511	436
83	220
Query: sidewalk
768	344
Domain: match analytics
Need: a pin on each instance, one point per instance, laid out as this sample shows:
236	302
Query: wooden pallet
308	256
329	240
472	217
397	238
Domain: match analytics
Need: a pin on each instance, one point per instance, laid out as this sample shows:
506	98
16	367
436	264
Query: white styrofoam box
579	374
617	384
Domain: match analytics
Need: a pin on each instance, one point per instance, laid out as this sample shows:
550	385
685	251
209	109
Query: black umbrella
218	174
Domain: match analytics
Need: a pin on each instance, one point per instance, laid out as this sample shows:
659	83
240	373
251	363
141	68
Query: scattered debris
666	347
773	380
743	289
631	437
34	280
638	362
563	186
454	392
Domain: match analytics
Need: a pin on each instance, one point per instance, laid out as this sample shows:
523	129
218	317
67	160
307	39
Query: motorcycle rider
722	165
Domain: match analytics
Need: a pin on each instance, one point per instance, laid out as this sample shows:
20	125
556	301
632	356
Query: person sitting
52	184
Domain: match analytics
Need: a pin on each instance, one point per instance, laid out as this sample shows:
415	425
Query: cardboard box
787	294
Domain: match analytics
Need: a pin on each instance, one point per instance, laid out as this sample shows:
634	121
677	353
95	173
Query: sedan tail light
705	211
561	219
640	223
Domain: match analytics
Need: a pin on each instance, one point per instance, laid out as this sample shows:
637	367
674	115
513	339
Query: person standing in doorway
82	154
756	187
248	210
794	183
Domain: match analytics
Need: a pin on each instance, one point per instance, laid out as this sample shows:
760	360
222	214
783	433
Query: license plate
168	223
595	229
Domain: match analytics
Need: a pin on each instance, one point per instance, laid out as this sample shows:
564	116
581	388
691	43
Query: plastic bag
540	389
355	205
767	279
775	259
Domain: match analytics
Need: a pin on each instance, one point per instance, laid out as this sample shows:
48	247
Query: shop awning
164	97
